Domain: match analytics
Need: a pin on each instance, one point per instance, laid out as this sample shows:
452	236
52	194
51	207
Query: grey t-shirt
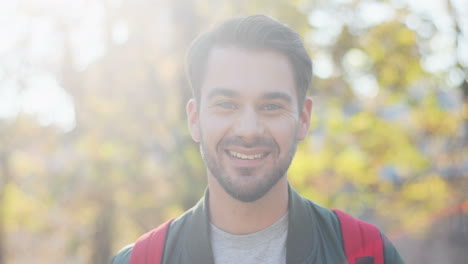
265	246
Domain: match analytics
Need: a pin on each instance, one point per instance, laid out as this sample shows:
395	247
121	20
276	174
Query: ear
192	119
305	118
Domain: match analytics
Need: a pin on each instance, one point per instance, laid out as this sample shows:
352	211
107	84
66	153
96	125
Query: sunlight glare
48	101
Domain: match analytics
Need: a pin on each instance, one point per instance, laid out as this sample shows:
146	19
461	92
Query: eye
227	105
271	107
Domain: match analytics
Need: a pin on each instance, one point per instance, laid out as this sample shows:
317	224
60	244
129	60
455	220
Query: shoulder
324	216
123	256
368	233
391	254
329	223
175	226
309	219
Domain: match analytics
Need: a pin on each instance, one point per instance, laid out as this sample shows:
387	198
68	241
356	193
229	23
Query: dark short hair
255	32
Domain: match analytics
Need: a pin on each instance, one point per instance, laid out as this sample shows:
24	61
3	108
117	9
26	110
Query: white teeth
246	157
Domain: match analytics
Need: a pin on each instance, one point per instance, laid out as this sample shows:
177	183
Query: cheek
283	131
213	128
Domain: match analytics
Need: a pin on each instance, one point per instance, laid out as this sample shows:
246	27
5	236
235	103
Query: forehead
248	72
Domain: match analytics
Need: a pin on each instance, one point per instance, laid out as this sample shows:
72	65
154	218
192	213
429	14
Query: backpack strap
362	241
149	248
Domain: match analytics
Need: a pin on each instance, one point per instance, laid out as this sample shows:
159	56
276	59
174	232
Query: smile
245	156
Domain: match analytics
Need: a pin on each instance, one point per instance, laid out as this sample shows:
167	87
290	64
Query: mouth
247	158
243	156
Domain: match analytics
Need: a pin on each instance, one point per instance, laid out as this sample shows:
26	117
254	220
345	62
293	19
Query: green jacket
314	236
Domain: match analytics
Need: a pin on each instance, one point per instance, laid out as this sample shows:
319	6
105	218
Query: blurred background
94	148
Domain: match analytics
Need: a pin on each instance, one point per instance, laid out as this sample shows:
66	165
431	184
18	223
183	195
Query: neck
237	217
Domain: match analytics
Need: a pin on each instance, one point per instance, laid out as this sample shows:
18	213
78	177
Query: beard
239	184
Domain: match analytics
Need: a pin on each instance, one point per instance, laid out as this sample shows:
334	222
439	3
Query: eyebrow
223	92
277	95
267	96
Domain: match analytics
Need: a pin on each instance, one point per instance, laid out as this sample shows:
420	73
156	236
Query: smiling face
248	120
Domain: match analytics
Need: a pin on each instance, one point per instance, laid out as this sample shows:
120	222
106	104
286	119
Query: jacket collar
299	240
300	243
199	242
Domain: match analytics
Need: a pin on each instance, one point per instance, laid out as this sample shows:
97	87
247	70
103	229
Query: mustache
258	142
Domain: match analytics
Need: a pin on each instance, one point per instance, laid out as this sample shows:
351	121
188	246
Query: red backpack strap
149	247
362	241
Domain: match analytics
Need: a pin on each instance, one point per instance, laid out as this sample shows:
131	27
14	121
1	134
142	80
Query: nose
248	125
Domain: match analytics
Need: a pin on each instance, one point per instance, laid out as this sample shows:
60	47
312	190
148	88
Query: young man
249	78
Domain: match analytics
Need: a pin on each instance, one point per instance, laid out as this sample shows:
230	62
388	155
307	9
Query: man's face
248	120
